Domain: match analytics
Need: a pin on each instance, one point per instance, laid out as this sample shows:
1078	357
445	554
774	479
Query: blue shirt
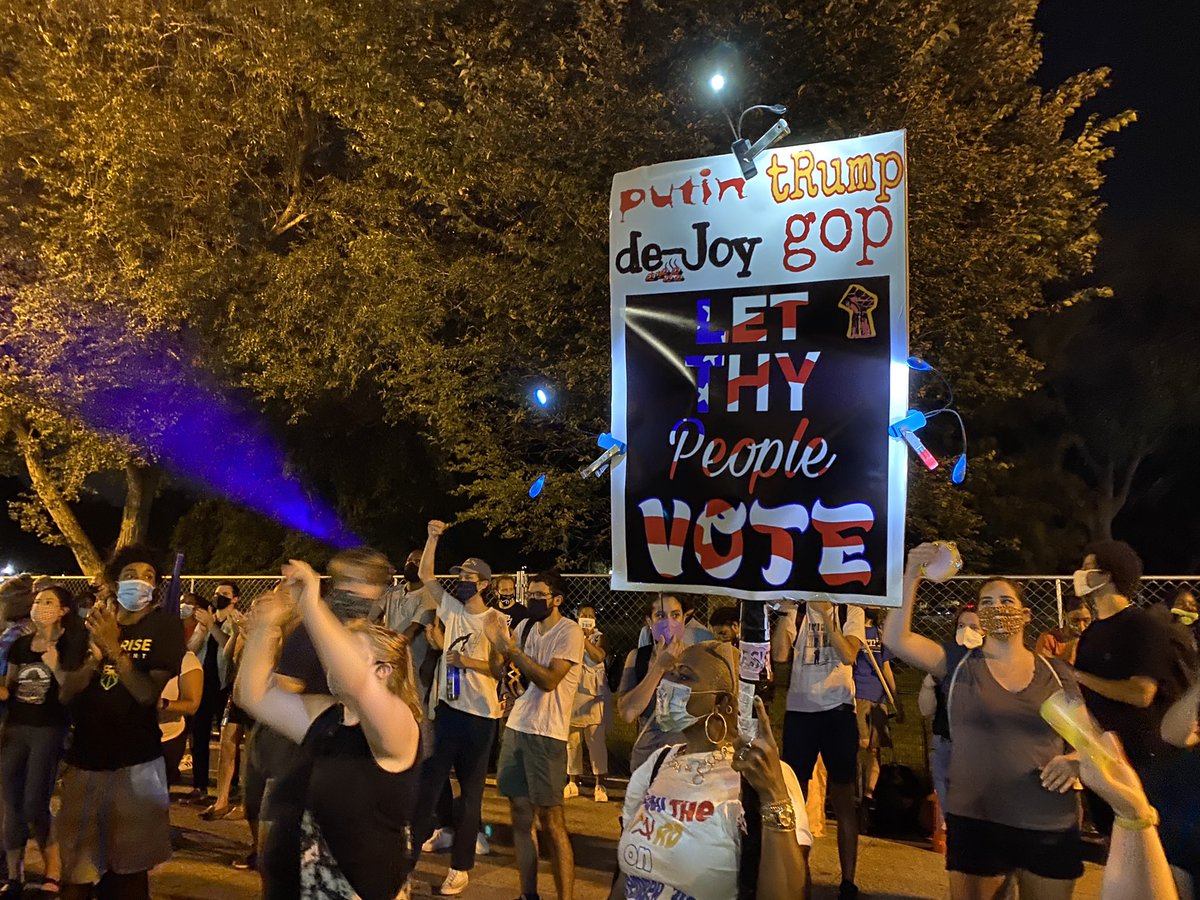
867	685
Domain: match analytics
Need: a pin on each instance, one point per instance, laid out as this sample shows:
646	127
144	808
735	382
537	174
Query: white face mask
45	615
1080	582
968	636
587	624
186	610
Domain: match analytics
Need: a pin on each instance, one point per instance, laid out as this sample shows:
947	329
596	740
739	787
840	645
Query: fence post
522	585
192	585
1058	599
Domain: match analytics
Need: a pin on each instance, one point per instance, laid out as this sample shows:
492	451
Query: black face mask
539	608
504	601
347	605
220	602
411	574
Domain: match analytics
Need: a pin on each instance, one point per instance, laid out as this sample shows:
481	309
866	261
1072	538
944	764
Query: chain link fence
621	615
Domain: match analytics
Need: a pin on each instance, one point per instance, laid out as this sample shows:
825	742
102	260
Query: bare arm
545	677
1179	724
426	568
1138	691
255	690
631	703
898	635
596	650
72	683
889	678
846	648
191	689
389	723
145	687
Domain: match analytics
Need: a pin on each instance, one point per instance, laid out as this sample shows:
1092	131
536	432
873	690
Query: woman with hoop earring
682	829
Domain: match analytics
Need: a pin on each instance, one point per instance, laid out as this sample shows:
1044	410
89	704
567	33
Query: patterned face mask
1001	620
347	606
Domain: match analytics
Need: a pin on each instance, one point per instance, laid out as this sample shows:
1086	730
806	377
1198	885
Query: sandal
50	887
214	812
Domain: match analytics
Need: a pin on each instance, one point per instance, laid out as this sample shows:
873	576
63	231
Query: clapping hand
104	629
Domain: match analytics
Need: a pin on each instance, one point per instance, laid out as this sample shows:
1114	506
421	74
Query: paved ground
888	869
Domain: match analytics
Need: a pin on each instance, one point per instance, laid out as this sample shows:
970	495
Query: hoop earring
724	729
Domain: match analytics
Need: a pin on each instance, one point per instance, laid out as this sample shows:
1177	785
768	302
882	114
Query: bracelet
779	816
1149	820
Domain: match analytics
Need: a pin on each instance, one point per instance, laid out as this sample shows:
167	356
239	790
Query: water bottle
755	663
453	674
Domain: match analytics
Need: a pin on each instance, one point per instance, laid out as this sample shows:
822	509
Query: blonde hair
392	648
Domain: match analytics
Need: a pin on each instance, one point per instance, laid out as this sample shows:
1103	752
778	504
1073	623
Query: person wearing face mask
548	649
407	610
1061	643
505	600
932	702
463	703
34	731
1010	806
644	669
114	824
357	577
1128	663
212	632
362	740
590	717
718	817
693	631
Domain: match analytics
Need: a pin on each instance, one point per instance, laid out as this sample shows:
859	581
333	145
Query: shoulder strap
1050	666
950	688
523	631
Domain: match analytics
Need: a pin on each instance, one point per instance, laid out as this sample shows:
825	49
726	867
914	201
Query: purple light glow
148	391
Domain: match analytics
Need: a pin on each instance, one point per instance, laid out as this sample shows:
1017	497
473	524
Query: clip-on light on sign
612	450
906	429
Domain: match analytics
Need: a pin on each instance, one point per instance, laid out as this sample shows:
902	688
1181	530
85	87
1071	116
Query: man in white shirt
820	720
548	650
463	704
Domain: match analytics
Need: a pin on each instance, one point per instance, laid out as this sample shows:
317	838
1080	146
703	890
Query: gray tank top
1000	743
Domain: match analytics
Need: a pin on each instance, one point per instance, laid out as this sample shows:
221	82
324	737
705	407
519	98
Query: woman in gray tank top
1011	807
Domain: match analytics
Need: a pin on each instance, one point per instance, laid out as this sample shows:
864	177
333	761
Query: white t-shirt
683	839
820	680
539	712
465	633
173	726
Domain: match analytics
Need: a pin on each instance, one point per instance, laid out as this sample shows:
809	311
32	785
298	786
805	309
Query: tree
409	204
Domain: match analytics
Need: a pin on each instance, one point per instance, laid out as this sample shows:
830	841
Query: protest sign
759	338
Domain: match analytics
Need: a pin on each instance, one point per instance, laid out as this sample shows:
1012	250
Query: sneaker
600	795
848	891
249	861
439	842
571	790
482	847
455	883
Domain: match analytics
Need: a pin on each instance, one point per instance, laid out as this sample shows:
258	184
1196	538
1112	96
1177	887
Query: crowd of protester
348	717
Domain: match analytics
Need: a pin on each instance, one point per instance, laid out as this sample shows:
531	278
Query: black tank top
363	811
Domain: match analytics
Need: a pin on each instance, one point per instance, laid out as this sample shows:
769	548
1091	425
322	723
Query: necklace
698	768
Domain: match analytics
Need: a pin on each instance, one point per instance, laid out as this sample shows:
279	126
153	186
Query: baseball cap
473	566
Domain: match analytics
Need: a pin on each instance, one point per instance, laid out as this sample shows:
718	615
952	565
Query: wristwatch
779	816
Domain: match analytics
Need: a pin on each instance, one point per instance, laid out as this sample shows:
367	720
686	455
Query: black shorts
235	715
831	734
975	847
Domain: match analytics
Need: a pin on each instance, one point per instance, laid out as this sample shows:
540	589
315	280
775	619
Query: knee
522	815
552	820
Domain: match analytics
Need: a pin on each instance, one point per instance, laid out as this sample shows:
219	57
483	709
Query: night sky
1151	228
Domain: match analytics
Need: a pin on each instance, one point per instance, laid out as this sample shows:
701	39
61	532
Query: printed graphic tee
682	841
113	730
820	680
33	699
867	685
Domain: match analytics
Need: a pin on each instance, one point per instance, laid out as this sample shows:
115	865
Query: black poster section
757	430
